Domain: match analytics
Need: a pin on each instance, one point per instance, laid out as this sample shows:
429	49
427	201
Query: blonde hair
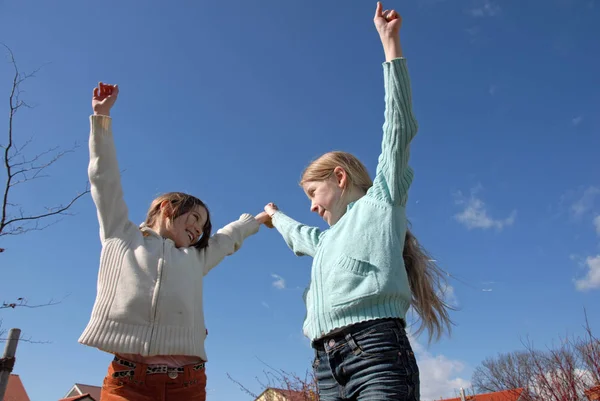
181	203
426	280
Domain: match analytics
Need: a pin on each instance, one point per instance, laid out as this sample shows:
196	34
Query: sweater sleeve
302	240
228	240
394	176
105	179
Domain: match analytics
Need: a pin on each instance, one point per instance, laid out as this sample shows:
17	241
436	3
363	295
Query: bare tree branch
23	339
21	169
242	387
24	303
57	210
588	349
283	385
559	373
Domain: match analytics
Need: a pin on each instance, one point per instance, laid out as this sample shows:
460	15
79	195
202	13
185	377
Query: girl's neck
353	195
349	197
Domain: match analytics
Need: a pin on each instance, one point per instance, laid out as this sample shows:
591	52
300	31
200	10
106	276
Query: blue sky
229	101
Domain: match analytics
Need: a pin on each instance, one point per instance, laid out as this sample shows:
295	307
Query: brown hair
181	203
426	280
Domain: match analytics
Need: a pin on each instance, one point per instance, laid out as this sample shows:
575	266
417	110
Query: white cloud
279	281
475	35
586	202
485	8
579	202
577	120
473	31
266	305
597	224
449	295
591	264
440	376
475	214
592	278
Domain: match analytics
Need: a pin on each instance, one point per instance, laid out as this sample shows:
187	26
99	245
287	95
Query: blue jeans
367	361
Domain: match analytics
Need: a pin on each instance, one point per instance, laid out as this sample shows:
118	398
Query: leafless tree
504	372
588	348
21	168
279	385
560	373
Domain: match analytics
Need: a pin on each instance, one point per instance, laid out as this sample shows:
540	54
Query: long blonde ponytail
428	287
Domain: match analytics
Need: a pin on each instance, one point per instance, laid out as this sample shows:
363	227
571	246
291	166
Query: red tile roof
293	395
593	393
79	398
15	391
93	391
506	395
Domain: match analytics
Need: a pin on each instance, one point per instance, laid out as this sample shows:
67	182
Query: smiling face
182	218
326	199
332	182
186	229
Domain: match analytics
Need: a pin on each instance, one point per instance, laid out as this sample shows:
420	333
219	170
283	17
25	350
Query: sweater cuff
101	124
395	60
248	225
278	218
283	223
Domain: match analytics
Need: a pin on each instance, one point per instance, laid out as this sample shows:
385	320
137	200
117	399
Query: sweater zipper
154	308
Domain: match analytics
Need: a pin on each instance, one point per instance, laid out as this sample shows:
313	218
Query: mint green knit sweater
358	272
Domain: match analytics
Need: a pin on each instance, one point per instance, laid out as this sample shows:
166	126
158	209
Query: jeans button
173	375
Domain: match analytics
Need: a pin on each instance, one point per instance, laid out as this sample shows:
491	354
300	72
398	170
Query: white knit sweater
149	297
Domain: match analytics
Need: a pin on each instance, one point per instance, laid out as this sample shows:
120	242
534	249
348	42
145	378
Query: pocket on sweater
352	280
127	281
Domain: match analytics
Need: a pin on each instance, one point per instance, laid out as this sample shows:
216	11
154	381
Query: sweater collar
147	231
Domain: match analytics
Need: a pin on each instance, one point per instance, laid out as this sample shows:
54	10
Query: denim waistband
385	323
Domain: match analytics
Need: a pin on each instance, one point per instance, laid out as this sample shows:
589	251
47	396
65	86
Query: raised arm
302	240
103	169
229	239
394	176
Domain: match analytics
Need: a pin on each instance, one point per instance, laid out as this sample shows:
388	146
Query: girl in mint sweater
368	268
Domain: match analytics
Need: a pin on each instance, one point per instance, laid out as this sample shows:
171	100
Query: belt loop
192	375
353	346
140	372
188	374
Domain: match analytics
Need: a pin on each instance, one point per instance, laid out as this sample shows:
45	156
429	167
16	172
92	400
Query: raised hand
264	218
387	22
271	208
104	98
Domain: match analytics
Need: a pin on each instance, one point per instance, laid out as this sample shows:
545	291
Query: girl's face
327	196
186	229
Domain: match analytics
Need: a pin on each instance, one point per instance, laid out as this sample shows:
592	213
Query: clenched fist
387	22
104	98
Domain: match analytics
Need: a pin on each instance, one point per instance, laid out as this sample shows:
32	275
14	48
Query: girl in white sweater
148	310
